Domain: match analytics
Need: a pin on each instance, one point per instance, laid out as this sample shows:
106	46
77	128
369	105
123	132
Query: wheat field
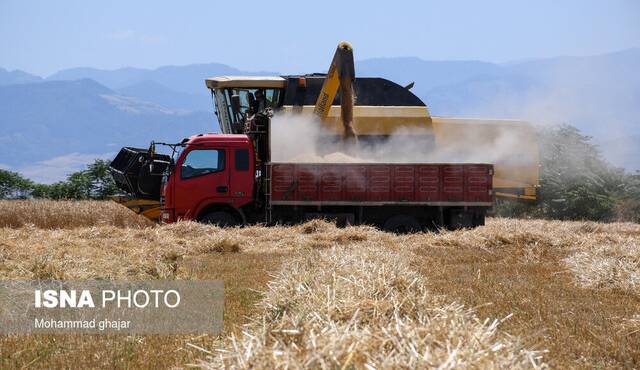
511	294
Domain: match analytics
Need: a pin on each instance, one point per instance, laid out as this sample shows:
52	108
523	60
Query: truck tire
219	218
402	224
479	218
460	219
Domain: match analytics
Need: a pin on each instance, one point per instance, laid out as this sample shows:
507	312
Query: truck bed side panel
331	186
355	183
478	183
308	186
428	183
282	182
453	183
378	183
404	179
333	183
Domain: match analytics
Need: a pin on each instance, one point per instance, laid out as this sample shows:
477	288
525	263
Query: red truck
230	179
216	179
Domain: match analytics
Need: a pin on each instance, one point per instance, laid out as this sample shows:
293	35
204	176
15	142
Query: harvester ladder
267	195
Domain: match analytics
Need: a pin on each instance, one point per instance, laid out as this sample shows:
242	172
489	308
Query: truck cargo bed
381	184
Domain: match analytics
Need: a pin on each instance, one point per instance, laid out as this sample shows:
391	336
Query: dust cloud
301	138
599	95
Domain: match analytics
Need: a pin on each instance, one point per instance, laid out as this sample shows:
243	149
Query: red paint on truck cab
211	170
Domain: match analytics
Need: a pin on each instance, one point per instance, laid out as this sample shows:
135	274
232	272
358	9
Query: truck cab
212	180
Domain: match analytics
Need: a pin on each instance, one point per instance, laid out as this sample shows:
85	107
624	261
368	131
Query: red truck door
241	175
201	176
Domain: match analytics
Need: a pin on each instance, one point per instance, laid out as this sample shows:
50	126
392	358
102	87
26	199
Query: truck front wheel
219	218
402	224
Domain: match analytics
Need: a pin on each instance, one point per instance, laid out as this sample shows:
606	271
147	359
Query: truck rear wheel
219	218
479	218
402	224
459	219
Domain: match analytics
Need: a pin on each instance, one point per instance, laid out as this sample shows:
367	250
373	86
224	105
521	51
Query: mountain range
54	125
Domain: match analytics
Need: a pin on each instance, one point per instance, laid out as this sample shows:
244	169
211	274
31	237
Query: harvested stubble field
514	293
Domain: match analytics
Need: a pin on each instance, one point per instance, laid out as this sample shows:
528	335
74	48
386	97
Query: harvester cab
239	98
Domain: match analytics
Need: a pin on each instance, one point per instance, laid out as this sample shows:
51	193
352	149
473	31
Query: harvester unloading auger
383	110
341	75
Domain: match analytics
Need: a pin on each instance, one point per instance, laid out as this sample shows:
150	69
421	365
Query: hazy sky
42	37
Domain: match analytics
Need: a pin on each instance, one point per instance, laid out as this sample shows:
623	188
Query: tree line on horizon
577	183
94	182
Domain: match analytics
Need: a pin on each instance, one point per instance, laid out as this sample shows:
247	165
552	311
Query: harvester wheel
402	224
219	218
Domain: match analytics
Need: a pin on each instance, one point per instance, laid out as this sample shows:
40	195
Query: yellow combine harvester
374	110
382	109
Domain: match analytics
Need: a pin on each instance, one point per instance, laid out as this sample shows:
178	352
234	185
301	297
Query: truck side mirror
235	103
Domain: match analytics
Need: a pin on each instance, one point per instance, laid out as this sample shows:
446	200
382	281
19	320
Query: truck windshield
251	101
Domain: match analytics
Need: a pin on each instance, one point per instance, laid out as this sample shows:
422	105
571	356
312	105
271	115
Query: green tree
628	207
41	191
102	184
58	190
79	185
12	185
93	183
577	183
